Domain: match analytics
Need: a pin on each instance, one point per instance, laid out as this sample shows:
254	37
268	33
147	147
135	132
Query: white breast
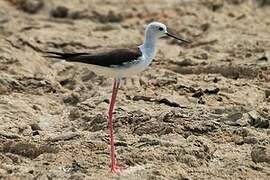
134	68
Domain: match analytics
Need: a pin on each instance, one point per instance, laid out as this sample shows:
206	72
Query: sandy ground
201	111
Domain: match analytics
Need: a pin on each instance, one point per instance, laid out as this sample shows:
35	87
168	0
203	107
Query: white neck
148	47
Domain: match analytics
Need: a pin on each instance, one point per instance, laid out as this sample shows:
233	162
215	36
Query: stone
59	12
257	120
260	154
31	6
267	93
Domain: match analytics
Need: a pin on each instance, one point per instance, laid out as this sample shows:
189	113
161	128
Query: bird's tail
65	56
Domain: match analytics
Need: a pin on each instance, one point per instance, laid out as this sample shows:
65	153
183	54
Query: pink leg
114	167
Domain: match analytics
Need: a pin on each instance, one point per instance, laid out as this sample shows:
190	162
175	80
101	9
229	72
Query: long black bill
186	41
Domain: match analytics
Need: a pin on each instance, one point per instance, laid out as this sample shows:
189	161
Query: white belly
121	71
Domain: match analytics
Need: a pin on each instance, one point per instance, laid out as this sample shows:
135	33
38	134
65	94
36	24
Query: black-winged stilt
120	63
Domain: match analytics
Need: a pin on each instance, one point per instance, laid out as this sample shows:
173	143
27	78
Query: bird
118	64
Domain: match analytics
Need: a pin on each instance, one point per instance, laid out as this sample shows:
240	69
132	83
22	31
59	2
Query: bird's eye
160	28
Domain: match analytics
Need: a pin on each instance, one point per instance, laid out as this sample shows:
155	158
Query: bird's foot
115	169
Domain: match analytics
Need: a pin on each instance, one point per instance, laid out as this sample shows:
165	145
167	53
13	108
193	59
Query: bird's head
160	30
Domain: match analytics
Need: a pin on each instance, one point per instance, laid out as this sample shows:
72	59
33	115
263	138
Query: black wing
115	57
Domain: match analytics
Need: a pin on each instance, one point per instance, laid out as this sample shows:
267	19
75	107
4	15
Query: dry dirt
201	111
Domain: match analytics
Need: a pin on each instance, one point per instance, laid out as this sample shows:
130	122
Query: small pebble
59	12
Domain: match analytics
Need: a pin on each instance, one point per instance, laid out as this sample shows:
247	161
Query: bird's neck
149	45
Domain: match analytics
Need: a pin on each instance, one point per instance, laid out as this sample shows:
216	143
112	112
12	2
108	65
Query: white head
158	30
